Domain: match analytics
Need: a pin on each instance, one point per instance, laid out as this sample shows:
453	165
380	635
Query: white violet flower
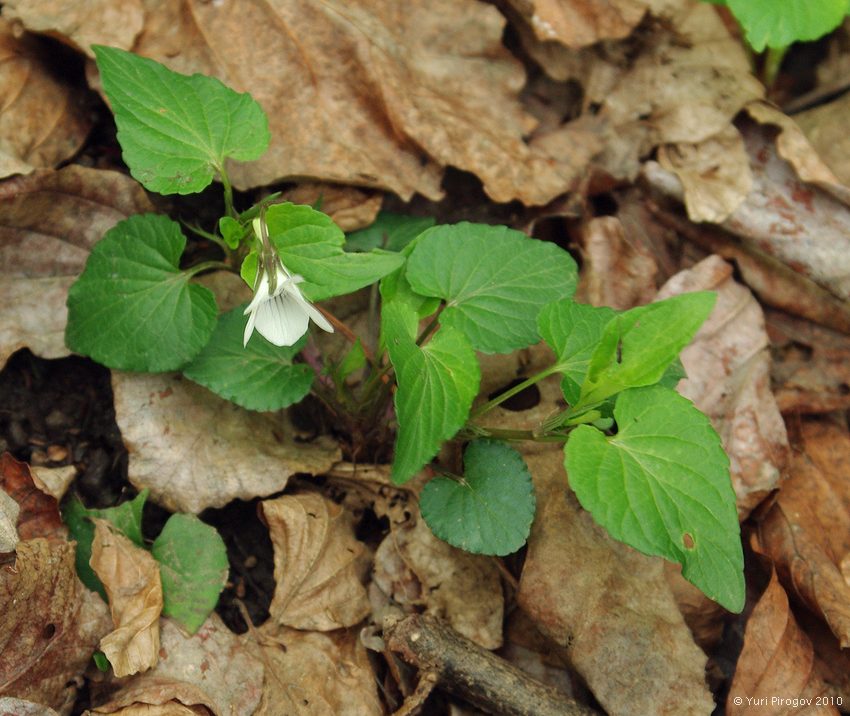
278	311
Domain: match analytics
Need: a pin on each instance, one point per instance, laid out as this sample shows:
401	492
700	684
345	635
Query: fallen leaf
212	669
608	606
415	569
349	207
319	564
49	220
46	645
728	367
9	511
528	649
43	122
194	450
312	673
774	674
704	617
825	128
38	512
130	576
19	707
55	481
807	530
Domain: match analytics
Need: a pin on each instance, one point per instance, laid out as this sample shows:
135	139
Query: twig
473	673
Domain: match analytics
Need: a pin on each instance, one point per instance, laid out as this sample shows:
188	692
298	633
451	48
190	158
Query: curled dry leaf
49	220
194	450
415	569
43	122
777	662
130	576
38	514
807	531
349	207
728	369
608	606
212	669
312	673
46	645
319	564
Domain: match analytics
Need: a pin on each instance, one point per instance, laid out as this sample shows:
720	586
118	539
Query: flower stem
207	235
228	193
502	397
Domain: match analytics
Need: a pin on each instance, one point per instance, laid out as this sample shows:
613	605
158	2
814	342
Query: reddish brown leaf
39	512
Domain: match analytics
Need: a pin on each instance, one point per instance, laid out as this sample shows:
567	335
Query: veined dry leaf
9	511
319	564
616	270
195	450
49	220
311	673
39	512
728	367
777	662
415	569
213	670
42	122
49	624
807	531
83	24
349	207
130	576
608	606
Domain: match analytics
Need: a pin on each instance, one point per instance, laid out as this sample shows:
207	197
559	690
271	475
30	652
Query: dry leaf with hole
212	669
777	662
319	565
415	569
312	673
43	123
608	606
130	576
194	450
49	220
46	646
728	368
807	531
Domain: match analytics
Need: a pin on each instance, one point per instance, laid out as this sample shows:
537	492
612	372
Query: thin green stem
228	193
502	397
207	235
207	266
772	63
479	431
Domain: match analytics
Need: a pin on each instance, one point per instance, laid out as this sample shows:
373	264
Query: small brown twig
473	673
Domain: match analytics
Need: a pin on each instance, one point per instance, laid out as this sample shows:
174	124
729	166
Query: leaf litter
633	130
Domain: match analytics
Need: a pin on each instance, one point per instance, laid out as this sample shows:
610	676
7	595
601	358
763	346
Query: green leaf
132	308
494	280
127	517
573	330
661	485
310	244
778	23
175	130
260	376
193	567
354	360
436	386
637	346
389	231
489	510
231	231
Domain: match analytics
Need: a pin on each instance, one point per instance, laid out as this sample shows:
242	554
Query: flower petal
282	320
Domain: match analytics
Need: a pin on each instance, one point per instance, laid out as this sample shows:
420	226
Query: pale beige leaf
42	122
825	127
107	22
416	569
319	564
9	511
728	367
211	670
19	707
316	674
609	606
194	450
50	625
130	576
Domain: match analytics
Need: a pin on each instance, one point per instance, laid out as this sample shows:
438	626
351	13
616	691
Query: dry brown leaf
130	576
728	369
107	22
704	617
54	481
43	122
616	270
609	606
319	564
49	220
825	127
349	207
775	672
19	707
528	649
213	670
194	450
9	511
49	625
315	674
39	512
415	569
807	531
